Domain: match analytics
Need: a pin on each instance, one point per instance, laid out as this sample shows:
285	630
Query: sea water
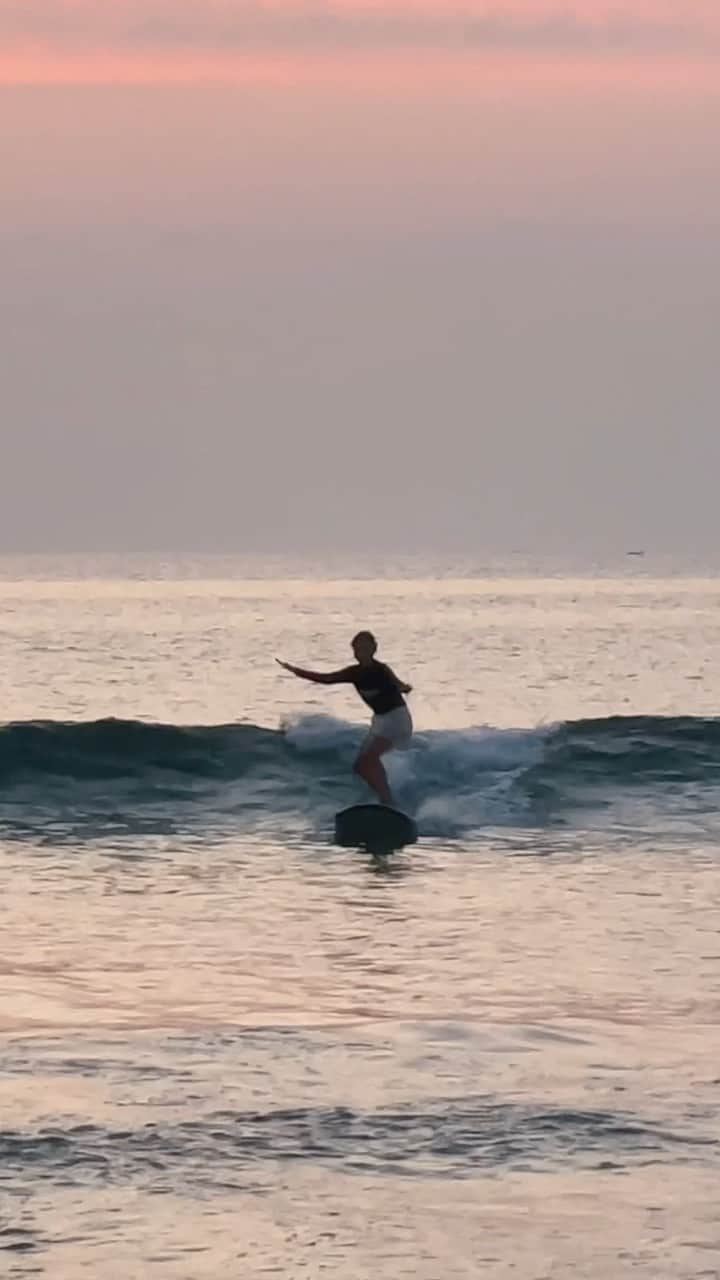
230	1049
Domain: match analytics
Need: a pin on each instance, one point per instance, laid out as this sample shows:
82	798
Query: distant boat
634	553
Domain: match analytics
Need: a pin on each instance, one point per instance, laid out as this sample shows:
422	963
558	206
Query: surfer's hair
365	635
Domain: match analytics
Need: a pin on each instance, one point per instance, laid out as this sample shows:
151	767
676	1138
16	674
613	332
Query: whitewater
229	1047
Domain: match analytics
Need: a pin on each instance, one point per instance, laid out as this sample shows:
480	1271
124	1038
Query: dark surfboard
374	827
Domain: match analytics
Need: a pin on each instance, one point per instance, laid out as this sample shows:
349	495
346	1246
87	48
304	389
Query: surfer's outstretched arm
317	677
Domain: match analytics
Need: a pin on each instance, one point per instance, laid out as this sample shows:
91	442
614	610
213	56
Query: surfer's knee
360	765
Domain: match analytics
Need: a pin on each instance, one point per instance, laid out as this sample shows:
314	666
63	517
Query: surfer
391	726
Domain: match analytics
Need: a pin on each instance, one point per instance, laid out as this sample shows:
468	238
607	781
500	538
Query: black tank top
376	686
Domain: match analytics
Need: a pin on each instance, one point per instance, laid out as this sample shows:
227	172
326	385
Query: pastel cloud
172	27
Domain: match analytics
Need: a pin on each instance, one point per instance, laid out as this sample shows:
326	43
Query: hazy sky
304	274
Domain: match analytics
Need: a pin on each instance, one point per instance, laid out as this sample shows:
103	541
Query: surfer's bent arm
402	686
319	677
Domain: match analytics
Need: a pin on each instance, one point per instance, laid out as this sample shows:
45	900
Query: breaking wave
454	780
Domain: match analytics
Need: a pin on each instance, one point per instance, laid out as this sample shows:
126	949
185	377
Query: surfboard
375	827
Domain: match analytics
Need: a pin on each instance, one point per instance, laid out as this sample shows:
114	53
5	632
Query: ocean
231	1049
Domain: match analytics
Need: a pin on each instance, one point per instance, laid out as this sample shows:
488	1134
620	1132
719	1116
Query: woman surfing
391	726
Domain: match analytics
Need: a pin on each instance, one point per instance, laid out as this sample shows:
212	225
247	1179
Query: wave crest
454	780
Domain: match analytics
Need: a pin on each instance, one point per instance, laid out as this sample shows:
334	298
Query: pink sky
479	237
81	41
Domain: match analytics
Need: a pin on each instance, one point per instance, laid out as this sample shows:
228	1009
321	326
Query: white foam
452	780
316	733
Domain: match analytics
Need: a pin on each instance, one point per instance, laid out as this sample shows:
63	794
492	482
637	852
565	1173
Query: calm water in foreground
230	1049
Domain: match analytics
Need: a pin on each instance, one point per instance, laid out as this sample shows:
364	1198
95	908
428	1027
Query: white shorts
395	726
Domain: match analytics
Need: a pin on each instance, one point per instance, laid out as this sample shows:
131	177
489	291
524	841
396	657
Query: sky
302	275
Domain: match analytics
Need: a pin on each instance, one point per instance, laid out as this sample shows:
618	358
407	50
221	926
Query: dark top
376	685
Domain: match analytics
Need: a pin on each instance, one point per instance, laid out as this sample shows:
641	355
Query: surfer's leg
370	768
